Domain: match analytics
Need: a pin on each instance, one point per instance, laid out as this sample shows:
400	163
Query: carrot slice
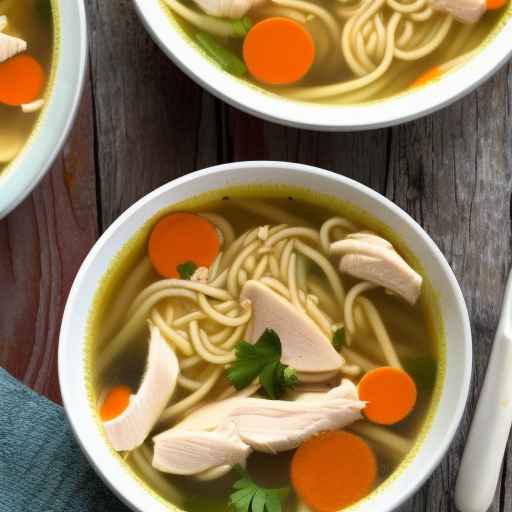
333	470
180	238
428	76
115	403
21	80
492	5
390	393
278	51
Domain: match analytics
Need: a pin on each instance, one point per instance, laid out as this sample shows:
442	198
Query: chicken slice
132	426
210	416
304	346
227	8
10	46
372	258
273	426
237	426
467	11
190	452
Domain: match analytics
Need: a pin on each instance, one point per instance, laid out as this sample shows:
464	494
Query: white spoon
480	467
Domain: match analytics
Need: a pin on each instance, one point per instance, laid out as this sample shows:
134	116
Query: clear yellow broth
415	328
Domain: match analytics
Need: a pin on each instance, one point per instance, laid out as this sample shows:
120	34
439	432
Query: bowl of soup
334	65
264	334
43	47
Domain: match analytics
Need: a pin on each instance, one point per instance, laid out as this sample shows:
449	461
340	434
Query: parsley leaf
186	270
250	497
276	378
339	339
262	360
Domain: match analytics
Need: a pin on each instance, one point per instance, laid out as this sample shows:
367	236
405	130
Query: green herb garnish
186	270
262	360
339	339
248	496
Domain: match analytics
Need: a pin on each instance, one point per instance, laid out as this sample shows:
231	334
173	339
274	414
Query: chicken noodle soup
26	45
240	340
338	51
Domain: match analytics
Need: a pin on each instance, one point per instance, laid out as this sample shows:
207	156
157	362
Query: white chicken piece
304	346
132	426
467	11
372	258
10	46
227	8
273	426
190	452
224	433
3	23
209	416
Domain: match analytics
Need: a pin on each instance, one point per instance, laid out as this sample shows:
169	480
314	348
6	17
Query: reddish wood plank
42	244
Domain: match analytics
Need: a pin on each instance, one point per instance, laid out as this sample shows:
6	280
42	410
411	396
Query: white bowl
452	392
254	100
56	119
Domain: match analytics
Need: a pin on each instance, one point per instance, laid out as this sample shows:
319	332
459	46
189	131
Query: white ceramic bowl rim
71	342
28	168
323	117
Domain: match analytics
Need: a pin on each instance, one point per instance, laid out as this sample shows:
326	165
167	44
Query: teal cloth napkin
42	469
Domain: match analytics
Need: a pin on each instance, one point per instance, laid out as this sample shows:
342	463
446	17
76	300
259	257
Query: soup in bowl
260	335
42	63
336	64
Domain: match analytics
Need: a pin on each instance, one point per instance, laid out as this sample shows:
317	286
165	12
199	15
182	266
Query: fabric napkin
42	469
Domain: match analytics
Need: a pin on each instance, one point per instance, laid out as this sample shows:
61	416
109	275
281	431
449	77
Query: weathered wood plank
42	244
451	172
361	156
153	123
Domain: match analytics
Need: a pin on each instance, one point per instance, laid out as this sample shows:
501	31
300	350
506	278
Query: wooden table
142	123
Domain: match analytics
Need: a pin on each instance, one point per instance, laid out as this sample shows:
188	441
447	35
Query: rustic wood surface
143	123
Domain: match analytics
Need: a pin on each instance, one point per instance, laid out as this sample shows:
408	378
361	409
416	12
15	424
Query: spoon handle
481	462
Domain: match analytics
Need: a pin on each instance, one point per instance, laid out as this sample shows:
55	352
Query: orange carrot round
115	403
333	470
180	238
492	5
278	51
21	80
390	393
428	76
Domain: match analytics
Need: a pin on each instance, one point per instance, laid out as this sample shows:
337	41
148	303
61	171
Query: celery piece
226	59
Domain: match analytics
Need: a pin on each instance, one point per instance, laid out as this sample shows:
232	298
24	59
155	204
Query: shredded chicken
10	46
189	452
132	426
225	432
467	11
372	258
